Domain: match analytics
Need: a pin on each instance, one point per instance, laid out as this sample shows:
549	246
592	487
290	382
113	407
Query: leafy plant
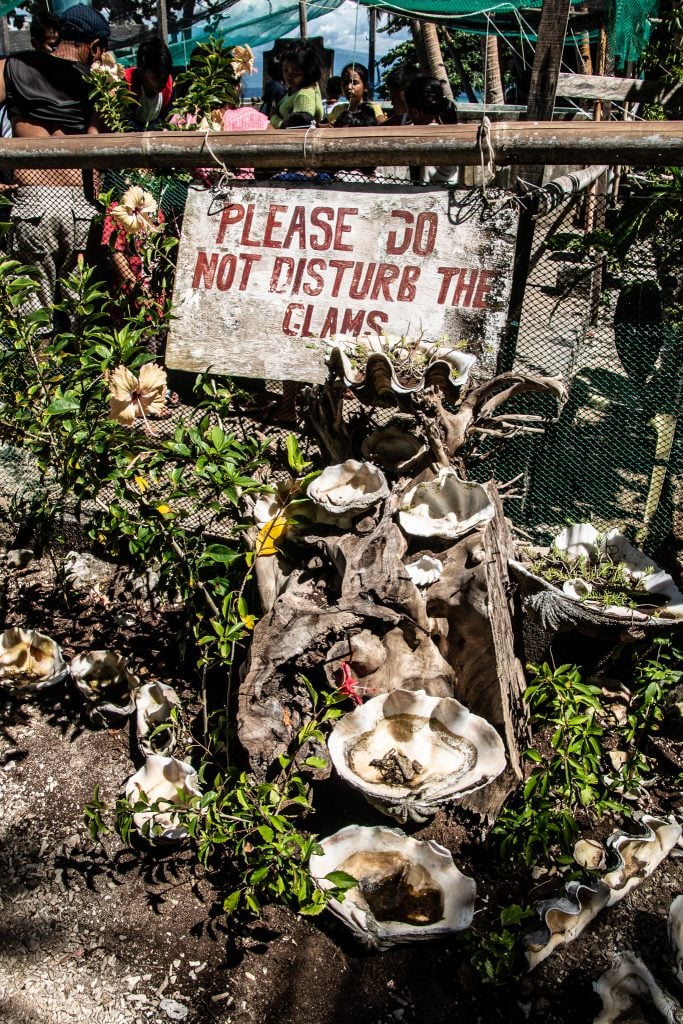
611	582
208	83
496	955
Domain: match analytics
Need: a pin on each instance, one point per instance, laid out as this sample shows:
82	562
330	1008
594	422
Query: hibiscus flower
131	397
135	211
107	66
242	61
213	122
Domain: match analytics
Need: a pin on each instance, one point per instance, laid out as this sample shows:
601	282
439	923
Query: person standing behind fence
47	97
151	82
427	104
44	31
302	73
356	88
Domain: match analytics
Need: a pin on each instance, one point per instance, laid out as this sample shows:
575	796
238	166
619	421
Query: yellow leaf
164	509
269	534
249	621
142	483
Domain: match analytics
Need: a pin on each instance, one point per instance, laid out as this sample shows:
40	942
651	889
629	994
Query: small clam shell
590	854
425	571
444	507
396	448
577	588
158	783
157	732
29	661
349	488
409	890
104	680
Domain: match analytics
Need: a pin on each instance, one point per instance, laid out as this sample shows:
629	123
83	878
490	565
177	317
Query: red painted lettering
386	273
330	323
283	267
205	270
272	224
425	234
465	288
246	230
290	324
358	290
315	267
297	226
342	228
321	244
352	323
226	272
232	214
377	321
447	273
341	266
406	288
394	247
248	260
486	279
300	267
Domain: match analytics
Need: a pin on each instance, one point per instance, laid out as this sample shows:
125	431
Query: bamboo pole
641	144
4	36
372	59
303	20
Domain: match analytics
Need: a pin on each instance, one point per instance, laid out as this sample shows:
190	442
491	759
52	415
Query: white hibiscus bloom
136	211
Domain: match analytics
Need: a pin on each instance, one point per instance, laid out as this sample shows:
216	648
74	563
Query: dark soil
153	923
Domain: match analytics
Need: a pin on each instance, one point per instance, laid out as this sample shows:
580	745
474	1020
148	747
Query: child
151	82
302	72
357	90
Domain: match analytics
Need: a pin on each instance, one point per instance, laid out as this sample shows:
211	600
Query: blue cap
83	24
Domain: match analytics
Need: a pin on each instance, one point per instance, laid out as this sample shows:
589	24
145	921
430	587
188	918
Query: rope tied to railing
486	151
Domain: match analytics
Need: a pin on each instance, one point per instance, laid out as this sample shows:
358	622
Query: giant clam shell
158	783
376	383
582	540
564	916
349	488
408	752
408	890
395	447
444	507
157	732
675	933
628	992
425	570
104	680
29	661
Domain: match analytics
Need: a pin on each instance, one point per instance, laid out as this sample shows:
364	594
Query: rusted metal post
372	59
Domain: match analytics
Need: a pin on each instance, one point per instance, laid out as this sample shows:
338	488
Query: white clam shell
580	540
409	890
577	588
396	448
627	985
432	750
675	932
104	680
444	367
590	854
154	703
349	488
160	779
29	661
425	570
444	507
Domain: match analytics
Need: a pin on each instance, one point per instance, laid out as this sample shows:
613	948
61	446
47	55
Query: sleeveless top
49	91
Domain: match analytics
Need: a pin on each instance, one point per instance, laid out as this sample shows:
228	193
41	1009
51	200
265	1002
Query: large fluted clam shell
29	661
374	380
104	680
629	992
444	507
157	727
408	890
349	488
395	447
564	916
408	752
164	783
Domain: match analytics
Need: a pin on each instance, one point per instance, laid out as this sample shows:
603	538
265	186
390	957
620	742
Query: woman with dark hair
427	104
302	72
355	86
274	89
151	82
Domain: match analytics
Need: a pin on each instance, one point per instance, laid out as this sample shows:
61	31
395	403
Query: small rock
173	1009
18	558
618	759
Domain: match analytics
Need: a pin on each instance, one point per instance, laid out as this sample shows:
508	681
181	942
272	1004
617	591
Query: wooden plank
620	90
640	144
268	277
550	43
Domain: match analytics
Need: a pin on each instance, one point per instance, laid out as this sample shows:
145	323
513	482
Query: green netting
628	28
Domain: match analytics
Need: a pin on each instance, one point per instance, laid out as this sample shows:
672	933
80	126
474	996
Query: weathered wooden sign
269	276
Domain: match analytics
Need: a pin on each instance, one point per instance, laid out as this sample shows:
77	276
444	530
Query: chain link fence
610	329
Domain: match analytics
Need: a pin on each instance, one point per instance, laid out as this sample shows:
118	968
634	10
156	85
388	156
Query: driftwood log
353	602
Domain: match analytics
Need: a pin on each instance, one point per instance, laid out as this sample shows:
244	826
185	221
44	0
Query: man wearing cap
47	96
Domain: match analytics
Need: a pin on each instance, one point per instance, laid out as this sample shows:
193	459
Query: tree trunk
493	86
418	39
435	62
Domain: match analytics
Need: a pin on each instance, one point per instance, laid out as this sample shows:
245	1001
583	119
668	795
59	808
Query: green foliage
610	581
653	679
466	45
111	94
495	954
208	83
249	830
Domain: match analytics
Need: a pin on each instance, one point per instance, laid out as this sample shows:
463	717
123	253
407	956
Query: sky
349	23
